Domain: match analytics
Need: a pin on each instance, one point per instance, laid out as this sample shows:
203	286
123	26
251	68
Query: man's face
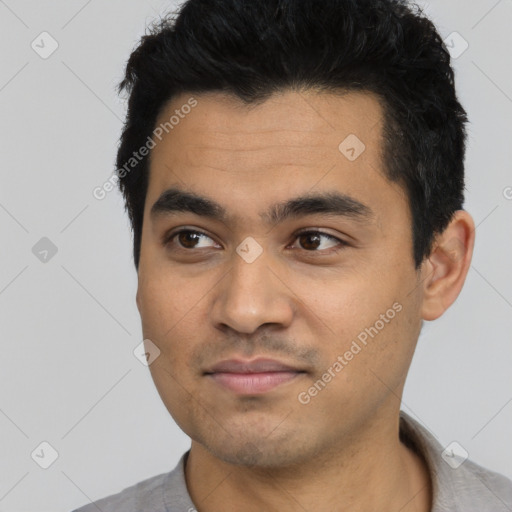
251	284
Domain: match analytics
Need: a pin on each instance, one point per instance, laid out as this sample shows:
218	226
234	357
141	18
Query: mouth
253	383
252	377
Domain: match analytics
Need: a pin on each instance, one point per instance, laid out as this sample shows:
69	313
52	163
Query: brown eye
312	240
186	239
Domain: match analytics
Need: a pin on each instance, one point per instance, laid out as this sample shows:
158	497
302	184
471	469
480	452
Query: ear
446	268
137	299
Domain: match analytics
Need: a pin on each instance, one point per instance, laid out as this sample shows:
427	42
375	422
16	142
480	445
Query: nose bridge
250	295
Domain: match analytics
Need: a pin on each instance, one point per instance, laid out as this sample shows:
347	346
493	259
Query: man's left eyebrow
332	204
175	200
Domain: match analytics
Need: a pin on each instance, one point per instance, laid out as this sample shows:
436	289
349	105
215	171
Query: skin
298	302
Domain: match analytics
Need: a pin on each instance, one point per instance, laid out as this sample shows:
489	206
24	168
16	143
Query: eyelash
333	250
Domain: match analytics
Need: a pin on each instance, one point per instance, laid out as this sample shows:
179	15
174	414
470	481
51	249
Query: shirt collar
454	489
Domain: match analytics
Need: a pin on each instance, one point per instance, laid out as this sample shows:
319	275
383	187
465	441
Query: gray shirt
458	484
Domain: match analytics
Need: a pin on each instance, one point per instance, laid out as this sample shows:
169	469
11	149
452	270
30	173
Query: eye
312	240
186	238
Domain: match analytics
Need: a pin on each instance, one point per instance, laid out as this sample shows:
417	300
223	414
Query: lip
258	365
252	383
252	377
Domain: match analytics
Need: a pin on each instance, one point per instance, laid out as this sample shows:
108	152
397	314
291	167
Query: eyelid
318	231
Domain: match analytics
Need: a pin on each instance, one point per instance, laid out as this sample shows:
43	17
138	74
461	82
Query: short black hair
251	49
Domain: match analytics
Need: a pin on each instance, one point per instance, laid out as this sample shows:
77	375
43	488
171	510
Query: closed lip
259	365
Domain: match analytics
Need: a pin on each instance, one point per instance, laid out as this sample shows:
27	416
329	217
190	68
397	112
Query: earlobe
447	266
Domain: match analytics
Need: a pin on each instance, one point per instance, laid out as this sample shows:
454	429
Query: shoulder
481	488
145	495
166	492
458	484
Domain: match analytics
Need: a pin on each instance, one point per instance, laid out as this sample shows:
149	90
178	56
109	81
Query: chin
254	449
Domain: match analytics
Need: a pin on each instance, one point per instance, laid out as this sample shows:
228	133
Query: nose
251	295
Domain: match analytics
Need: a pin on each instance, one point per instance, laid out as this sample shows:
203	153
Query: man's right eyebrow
174	200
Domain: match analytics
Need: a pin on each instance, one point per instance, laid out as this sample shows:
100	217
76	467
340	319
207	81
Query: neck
371	471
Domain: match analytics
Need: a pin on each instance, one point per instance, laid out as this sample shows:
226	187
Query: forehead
304	117
291	144
303	120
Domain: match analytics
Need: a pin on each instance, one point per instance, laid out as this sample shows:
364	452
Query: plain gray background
69	324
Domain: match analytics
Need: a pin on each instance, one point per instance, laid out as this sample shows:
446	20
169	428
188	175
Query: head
265	122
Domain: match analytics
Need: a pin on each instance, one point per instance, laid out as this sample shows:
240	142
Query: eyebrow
175	201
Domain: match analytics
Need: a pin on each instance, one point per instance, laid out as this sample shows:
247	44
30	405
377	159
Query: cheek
347	305
366	322
176	391
165	301
386	341
170	310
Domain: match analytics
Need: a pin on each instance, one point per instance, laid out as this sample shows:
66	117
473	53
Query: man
293	171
